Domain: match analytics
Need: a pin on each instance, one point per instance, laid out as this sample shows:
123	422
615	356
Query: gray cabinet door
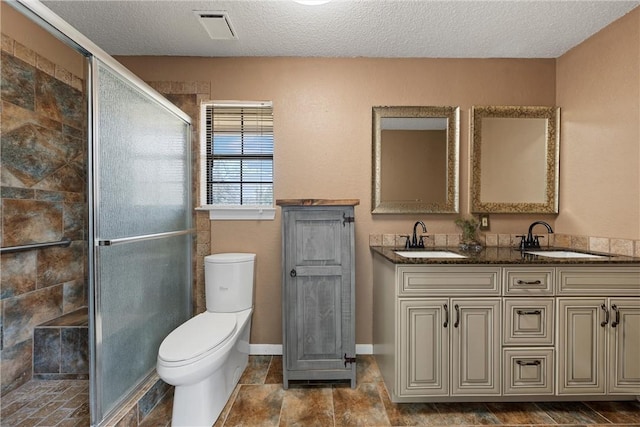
318	294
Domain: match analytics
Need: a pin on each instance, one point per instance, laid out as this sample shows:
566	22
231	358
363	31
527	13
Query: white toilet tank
229	282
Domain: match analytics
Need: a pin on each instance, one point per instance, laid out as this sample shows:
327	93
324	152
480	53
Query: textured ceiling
345	28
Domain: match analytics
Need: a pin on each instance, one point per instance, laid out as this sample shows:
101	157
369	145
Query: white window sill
234	213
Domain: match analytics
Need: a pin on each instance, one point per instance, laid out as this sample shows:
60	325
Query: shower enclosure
139	223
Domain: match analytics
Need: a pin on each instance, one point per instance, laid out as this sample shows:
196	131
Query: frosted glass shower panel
146	300
143	161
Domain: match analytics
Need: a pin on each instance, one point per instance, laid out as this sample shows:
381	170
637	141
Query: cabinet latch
348	360
346	219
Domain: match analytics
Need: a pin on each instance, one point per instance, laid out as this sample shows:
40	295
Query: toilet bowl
205	356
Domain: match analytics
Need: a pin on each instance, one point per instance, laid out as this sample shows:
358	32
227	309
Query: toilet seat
197	337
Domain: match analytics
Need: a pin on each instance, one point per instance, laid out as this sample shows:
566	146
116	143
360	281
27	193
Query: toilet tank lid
229	257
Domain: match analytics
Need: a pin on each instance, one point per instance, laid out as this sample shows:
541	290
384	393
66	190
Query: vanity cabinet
460	332
318	291
445	337
451	346
598	334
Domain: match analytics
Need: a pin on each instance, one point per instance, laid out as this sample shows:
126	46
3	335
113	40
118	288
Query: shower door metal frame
93	161
63	31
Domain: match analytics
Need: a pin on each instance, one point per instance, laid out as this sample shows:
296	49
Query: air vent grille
217	24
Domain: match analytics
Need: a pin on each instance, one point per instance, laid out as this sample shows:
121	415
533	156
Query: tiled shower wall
43	180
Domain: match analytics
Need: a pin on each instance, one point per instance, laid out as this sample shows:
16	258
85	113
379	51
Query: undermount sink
564	254
429	254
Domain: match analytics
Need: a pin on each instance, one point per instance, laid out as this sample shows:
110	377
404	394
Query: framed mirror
514	159
415	160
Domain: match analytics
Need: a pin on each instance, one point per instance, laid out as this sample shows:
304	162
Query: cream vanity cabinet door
581	345
423	347
624	346
318	293
598	338
475	346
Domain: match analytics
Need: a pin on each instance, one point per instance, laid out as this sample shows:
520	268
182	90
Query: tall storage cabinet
318	290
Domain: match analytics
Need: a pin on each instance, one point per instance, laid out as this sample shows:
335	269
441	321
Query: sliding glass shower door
140	217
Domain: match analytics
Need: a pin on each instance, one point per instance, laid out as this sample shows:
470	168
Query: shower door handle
121	240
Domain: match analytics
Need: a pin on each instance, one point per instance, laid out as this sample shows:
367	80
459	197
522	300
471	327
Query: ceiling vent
217	24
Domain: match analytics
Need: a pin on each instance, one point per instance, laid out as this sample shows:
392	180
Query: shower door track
113	242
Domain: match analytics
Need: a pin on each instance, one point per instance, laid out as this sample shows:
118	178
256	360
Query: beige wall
40	41
322	112
598	88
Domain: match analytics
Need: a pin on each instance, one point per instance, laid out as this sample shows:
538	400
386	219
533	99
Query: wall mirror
514	159
415	160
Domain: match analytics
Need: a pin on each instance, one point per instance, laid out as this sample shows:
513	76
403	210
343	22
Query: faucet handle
421	242
407	243
523	244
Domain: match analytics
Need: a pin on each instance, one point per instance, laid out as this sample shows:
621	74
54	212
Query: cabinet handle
293	272
457	308
528	363
606	316
524	282
535	312
446	316
616	322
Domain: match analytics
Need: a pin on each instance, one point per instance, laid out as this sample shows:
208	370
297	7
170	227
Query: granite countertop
501	255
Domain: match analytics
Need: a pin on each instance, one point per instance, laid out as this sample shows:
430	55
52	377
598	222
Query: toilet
205	356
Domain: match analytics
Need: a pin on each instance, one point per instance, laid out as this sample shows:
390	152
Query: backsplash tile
626	247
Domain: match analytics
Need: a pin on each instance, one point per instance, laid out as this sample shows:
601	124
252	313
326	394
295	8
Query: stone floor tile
618	412
571	413
256	405
361	406
256	370
409	414
519	413
274	374
367	369
307	407
469	413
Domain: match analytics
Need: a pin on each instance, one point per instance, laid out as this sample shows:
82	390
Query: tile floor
63	403
260	400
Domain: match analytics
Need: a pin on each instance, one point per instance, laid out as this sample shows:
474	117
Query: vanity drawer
528	281
528	371
598	281
449	281
528	321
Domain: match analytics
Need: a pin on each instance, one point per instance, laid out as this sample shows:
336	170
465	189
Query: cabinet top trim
318	202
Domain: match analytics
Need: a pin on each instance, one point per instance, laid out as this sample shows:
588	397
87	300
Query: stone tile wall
42	190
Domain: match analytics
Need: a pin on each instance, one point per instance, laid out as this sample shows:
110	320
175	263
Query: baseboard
276	349
265	349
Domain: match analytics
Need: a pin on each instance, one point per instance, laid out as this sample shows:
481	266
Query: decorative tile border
27	55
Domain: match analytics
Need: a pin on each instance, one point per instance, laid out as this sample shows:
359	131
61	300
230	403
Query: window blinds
239	154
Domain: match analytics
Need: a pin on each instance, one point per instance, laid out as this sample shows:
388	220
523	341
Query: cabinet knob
293	272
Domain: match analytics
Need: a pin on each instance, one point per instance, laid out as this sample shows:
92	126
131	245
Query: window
237	150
